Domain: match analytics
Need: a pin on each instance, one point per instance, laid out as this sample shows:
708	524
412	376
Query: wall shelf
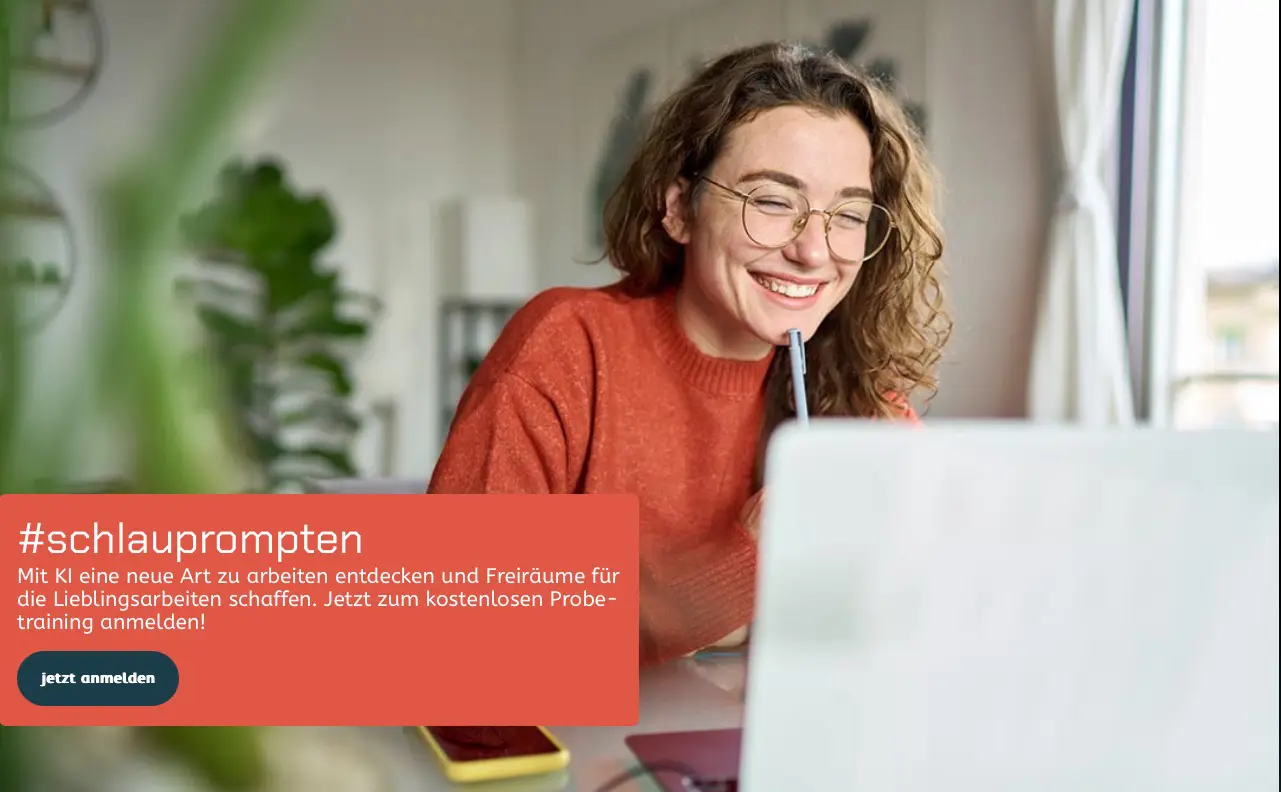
467	329
35	49
42	274
55	67
29	209
75	6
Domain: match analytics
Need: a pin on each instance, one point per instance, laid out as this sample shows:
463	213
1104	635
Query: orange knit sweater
593	391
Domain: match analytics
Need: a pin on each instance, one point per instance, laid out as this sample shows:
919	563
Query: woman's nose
809	248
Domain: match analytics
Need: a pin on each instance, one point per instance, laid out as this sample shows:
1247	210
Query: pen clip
797	342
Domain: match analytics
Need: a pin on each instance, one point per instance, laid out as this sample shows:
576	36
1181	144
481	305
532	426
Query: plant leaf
230	758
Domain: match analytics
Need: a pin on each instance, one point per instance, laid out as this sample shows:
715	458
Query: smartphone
491	753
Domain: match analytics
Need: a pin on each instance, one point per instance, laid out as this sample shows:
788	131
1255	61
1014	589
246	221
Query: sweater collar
700	370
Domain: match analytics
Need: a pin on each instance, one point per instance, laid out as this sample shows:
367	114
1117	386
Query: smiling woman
778	190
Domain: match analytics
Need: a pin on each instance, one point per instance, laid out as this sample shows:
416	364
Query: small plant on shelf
27	273
281	324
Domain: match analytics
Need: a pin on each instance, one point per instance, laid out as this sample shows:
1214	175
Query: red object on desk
711	754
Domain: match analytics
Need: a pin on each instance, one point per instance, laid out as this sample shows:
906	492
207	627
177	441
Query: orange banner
358	610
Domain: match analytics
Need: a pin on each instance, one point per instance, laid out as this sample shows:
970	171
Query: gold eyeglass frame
802	221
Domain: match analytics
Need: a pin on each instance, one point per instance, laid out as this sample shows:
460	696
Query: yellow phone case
501	768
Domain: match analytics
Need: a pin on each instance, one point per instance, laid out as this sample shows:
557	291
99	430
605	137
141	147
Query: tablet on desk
490	753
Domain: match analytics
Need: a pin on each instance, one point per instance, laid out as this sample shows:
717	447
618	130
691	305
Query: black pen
796	350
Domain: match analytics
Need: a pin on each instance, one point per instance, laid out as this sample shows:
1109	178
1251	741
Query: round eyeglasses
774	215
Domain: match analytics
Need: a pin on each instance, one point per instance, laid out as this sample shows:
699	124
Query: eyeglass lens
774	215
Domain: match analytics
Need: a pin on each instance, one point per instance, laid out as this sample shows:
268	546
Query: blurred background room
339	203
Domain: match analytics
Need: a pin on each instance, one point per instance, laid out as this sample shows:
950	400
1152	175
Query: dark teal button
98	679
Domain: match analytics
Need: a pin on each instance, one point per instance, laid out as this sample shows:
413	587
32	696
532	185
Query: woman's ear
676	212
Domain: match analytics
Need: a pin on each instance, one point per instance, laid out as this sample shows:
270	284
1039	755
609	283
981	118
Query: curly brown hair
883	341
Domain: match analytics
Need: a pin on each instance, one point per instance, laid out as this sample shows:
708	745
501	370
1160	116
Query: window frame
1134	187
1164	297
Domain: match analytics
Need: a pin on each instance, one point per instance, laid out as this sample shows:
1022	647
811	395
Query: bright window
1213	320
1229	344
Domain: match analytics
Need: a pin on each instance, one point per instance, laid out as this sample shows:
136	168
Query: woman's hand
734	640
751	515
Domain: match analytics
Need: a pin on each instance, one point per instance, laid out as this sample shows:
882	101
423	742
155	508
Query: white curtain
1080	372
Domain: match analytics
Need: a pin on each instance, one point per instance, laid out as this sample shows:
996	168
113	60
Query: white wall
992	138
988	132
388	106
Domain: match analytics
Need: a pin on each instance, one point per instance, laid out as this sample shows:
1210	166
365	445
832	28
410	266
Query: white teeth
785	288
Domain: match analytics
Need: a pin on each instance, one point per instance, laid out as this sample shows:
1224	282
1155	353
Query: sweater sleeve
507	437
703	597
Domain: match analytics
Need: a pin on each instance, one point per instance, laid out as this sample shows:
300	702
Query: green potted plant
136	382
281	326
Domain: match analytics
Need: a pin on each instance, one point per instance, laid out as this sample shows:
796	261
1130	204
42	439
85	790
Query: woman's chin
776	333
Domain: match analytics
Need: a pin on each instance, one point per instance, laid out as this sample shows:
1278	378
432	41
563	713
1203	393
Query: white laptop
1012	607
